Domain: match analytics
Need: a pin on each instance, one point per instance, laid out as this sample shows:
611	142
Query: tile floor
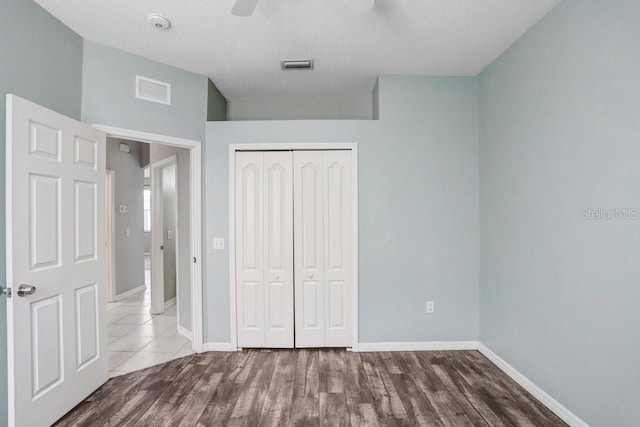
137	339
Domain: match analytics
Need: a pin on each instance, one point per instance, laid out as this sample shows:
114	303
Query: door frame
308	146
157	236
110	205
195	150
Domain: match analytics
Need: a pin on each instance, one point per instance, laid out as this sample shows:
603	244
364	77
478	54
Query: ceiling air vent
305	64
153	90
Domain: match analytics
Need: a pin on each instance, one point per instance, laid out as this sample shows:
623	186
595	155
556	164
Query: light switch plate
218	243
430	307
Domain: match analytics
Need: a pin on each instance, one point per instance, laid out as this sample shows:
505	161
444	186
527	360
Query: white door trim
111	236
157	235
232	221
195	148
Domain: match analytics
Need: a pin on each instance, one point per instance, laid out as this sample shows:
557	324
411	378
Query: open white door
159	231
57	348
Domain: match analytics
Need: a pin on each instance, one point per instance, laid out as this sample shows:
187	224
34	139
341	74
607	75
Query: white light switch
128	233
430	307
218	243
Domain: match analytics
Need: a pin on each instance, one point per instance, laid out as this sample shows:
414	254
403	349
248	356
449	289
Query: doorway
334	308
139	334
174	329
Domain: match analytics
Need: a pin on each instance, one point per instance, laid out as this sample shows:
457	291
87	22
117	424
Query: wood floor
315	387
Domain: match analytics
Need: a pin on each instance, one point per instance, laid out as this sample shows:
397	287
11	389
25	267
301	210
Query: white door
163	172
264	249
57	348
323	248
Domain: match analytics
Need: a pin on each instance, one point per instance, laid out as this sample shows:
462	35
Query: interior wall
418	202
560	135
360	108
43	66
108	94
160	152
216	103
129	226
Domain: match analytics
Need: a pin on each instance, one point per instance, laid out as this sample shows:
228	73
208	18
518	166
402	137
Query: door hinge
6	291
194	260
162	247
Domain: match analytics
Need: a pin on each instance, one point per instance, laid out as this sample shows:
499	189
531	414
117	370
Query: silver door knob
311	276
24	290
277	277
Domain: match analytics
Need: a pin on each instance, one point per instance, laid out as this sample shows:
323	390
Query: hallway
137	339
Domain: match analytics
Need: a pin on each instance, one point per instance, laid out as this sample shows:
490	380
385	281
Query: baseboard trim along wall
218	346
129	293
169	303
416	346
185	332
566	415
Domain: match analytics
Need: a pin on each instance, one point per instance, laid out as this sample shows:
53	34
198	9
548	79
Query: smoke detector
158	21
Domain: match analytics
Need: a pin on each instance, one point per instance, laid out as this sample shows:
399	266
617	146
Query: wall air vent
305	64
153	90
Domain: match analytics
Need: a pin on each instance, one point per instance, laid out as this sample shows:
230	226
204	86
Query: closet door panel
250	249
308	242
337	247
278	249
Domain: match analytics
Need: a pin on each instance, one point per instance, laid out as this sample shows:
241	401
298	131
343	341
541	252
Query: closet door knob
277	277
311	276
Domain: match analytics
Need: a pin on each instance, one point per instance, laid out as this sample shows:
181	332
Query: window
147	208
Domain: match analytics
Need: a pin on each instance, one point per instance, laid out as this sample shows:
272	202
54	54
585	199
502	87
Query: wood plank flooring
315	387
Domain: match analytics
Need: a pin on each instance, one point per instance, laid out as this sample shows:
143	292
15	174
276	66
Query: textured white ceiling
242	55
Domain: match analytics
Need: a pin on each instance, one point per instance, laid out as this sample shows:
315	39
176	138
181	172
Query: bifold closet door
264	249
323	248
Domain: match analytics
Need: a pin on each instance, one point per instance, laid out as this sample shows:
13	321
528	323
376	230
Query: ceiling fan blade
244	7
359	6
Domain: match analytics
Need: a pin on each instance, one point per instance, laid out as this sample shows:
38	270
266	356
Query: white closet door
323	251
278	249
309	256
338	265
264	249
249	249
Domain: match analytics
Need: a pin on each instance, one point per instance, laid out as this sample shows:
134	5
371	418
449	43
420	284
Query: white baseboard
129	293
185	332
169	303
566	415
218	346
416	346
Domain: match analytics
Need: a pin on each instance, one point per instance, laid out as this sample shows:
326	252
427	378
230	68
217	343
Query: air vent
153	90
306	64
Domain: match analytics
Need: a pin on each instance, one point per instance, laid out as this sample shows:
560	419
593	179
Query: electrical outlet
218	243
430	307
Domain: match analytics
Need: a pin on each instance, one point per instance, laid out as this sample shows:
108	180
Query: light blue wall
560	132
108	98
358	108
418	209
108	94
129	185
41	60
